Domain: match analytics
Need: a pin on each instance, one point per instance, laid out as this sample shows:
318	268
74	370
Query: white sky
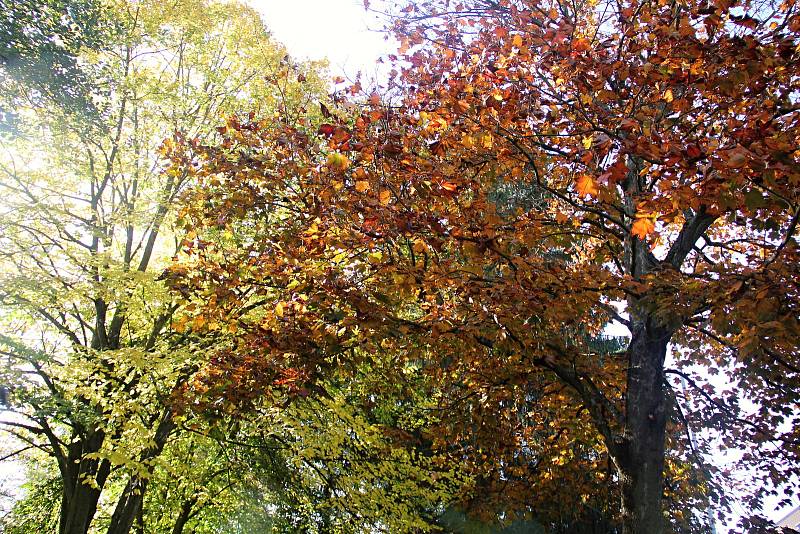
340	30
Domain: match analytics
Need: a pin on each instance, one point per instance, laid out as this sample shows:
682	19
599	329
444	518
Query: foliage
86	230
36	510
658	143
340	462
40	46
353	479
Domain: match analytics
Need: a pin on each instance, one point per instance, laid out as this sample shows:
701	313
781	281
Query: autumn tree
87	228
660	139
351	454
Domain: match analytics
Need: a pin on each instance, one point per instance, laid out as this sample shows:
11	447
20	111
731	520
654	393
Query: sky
339	30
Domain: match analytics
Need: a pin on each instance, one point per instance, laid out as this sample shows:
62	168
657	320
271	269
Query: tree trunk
640	456
131	501
184	516
128	506
79	498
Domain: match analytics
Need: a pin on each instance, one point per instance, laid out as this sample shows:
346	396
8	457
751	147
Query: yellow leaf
643	227
587	142
338	162
385	196
586	186
362	185
517	41
279	309
668	95
479	139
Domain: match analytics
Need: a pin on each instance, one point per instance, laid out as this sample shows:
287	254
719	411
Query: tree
86	225
661	141
337	462
40	43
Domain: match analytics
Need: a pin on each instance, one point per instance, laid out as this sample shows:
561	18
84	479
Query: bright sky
340	30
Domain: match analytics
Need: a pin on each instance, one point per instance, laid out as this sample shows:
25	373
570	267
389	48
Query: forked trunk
83	482
129	506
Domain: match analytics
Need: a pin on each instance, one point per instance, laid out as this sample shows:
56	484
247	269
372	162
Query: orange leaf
450	187
586	186
581	45
362	185
385	196
643	227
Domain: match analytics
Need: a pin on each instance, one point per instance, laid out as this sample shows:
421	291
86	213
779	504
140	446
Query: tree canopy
40	46
87	227
550	168
232	302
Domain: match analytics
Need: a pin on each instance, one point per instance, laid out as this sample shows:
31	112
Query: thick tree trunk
640	456
79	498
130	503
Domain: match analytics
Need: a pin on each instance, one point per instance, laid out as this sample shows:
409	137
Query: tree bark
132	499
128	505
640	455
78	498
184	516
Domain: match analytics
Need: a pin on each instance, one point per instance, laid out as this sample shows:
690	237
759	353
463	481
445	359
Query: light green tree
86	218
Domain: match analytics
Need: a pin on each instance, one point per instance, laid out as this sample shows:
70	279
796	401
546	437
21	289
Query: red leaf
326	129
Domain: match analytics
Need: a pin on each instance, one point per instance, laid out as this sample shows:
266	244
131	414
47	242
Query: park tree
40	47
86	228
548	168
333	460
